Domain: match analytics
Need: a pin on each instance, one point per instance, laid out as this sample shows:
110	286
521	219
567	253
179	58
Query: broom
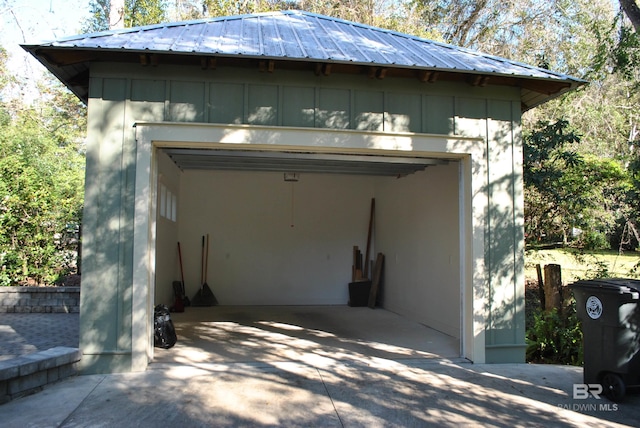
204	296
183	290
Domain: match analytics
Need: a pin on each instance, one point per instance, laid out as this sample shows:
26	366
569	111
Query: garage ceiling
251	160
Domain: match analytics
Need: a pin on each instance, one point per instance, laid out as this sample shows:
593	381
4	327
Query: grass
578	264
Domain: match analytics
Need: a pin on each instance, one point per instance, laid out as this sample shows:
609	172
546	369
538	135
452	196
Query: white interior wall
167	266
258	258
417	228
273	242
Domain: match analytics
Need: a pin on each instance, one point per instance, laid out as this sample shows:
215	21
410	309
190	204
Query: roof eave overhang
72	67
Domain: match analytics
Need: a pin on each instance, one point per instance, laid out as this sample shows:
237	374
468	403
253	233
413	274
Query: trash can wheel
613	387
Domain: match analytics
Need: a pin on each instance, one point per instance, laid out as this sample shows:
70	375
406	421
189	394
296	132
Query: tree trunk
116	14
631	9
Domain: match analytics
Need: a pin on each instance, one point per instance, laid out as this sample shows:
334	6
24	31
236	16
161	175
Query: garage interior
281	229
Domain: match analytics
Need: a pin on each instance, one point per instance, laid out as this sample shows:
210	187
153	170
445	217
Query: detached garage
272	134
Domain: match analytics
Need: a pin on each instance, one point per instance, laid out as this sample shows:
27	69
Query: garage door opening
280	256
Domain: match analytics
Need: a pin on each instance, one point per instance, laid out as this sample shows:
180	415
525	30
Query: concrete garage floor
317	336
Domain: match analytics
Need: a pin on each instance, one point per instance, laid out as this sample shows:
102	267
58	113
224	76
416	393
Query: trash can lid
612	285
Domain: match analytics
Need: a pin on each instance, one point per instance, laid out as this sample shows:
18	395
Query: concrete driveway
407	394
325	378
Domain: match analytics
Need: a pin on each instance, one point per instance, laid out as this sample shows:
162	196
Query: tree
569	196
625	51
547	158
136	13
493	26
41	188
99	20
144	12
5	76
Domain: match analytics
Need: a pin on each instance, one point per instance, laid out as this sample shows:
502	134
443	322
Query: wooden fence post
540	285
553	287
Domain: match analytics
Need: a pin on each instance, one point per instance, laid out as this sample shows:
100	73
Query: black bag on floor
164	334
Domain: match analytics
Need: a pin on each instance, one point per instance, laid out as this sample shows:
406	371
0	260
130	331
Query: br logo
582	391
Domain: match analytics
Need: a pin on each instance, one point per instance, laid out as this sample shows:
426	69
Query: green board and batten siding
498	123
119	97
105	335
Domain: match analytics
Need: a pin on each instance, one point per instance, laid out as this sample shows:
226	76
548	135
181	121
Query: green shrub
555	338
595	241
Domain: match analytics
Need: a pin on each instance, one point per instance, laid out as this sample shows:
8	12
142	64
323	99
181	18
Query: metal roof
290	37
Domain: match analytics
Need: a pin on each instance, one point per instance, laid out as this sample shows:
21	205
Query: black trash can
609	309
359	293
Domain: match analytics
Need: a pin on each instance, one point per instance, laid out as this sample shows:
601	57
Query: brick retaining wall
40	299
30	373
